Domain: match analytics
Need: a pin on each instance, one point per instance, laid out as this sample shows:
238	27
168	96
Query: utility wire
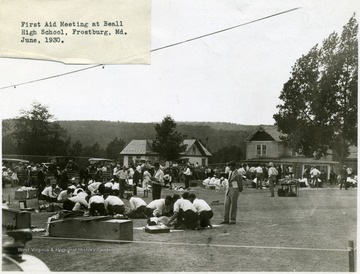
153	50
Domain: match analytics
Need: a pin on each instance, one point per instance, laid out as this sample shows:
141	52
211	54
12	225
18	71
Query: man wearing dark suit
234	187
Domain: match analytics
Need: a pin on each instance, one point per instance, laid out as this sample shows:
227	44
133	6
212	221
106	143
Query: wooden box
114	229
26	194
16	219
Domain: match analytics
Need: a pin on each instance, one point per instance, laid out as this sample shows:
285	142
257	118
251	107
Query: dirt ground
303	234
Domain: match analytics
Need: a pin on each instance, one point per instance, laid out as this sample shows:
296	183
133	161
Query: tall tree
168	142
319	109
76	149
37	133
114	148
227	154
94	151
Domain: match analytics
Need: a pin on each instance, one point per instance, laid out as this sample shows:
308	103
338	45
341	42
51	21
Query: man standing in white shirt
203	209
259	176
157	182
272	173
314	174
187	174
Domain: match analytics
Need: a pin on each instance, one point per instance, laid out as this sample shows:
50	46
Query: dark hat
232	163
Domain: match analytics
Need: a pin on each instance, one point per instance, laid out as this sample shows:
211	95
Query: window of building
194	150
261	150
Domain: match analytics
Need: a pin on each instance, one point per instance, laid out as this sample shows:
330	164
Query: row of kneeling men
186	212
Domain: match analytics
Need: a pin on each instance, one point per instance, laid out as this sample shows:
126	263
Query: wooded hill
214	135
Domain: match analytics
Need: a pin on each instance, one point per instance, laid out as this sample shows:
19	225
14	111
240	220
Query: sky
234	76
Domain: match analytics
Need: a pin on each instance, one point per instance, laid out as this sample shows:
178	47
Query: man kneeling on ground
203	209
184	214
137	207
113	204
159	207
96	205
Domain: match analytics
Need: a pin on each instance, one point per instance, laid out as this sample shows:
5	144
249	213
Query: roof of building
138	147
144	147
190	142
271	130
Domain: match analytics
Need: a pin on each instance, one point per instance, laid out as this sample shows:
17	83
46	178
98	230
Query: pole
351	256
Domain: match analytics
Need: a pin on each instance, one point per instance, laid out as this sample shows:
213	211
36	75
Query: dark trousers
116	209
187	218
122	184
156	191
187	181
204	218
68	205
149	212
343	182
139	213
47	198
135	189
97	207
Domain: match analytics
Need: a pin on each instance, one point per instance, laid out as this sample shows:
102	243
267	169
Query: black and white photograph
231	148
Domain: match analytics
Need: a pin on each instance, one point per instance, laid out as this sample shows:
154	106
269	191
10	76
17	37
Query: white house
141	151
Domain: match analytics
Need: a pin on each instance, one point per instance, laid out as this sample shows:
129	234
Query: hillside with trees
107	139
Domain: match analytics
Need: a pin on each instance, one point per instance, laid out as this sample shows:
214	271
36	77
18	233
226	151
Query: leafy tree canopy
114	148
168	142
36	133
319	109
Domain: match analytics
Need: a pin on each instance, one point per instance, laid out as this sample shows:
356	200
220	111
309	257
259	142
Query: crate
16	219
25	194
92	228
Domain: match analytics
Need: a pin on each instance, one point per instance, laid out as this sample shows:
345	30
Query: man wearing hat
272	173
233	188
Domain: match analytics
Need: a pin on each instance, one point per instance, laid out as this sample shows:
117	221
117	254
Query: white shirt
113	200
184	205
48	191
272	171
187	171
242	171
94	186
201	205
63	196
116	186
80	198
314	172
158	204
159	174
136	202
259	169
96	199
109	185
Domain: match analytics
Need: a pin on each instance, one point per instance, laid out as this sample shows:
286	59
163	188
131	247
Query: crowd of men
100	190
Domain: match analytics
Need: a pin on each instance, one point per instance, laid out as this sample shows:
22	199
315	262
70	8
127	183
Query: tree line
36	132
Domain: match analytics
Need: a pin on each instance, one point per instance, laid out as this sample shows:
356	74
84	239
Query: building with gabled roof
264	145
141	151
